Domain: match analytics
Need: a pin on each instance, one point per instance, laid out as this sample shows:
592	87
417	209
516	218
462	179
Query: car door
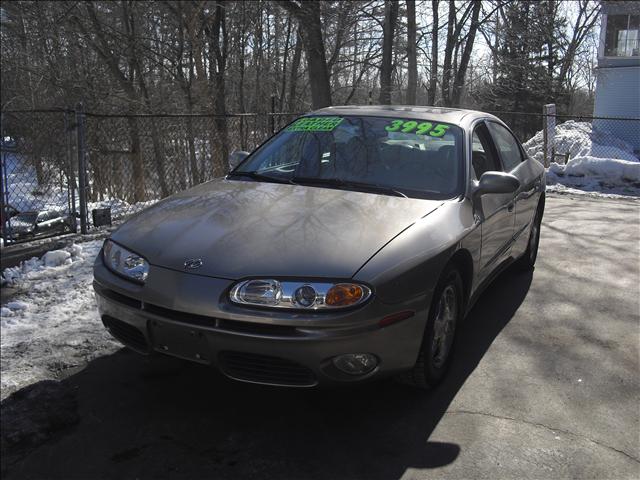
496	209
515	162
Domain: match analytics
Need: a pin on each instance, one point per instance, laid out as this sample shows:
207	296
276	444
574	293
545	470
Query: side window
507	145
483	152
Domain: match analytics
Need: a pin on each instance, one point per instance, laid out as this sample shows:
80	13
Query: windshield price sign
419	128
314	124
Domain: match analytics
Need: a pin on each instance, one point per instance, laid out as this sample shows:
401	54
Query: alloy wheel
444	326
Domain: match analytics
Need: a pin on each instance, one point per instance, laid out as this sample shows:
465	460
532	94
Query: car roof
443	114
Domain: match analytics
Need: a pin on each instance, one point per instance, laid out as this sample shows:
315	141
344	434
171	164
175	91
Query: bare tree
433	76
412	61
386	68
308	15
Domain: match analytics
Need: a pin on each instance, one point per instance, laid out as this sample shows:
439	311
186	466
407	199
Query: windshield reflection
403	157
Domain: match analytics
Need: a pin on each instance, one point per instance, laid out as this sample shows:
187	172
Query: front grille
252	367
118	297
127	334
184	317
257	328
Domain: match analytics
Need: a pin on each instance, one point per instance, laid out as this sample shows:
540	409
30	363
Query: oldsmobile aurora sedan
347	247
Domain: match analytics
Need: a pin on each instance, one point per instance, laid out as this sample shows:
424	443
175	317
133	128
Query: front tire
528	260
445	314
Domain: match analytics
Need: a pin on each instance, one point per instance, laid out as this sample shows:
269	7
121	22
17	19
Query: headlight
123	262
299	295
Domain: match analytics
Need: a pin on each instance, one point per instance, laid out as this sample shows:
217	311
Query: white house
618	74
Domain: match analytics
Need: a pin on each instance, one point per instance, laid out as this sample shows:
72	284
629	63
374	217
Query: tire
528	260
436	350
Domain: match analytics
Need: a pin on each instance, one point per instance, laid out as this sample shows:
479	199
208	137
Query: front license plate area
179	341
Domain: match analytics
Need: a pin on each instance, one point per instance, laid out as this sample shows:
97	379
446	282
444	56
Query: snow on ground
598	161
51	324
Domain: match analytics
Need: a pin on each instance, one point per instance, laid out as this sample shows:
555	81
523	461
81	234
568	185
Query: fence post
82	167
6	224
71	178
549	132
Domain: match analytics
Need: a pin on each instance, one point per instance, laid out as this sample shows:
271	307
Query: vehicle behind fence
67	170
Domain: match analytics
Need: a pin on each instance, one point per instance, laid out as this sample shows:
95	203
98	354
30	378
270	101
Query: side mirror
236	157
497	182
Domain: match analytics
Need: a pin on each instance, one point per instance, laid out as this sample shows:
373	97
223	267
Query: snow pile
51	322
36	267
55	258
598	161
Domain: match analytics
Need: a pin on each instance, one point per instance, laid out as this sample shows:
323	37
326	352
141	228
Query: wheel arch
463	261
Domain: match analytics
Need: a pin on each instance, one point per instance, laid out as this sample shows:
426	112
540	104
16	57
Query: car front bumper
186	316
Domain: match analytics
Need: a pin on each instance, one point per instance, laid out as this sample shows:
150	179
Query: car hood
246	228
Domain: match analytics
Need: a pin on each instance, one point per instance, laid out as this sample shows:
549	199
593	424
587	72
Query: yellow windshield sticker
314	124
419	128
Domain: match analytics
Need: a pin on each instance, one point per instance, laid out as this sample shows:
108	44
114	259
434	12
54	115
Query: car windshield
25	219
395	156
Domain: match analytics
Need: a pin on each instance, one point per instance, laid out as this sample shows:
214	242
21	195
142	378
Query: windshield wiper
347	184
258	177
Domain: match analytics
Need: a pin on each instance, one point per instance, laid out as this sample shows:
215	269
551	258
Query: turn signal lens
344	294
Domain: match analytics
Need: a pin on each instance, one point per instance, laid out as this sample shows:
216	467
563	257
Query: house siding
618	95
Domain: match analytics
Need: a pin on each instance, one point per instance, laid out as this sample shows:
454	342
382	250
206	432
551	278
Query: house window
623	36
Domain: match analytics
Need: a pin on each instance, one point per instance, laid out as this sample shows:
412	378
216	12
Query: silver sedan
346	248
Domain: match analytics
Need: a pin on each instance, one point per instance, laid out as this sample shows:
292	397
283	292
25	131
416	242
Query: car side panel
411	263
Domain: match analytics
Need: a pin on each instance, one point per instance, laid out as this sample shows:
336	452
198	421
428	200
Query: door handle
510	207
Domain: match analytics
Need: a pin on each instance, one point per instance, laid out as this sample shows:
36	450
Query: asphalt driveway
545	384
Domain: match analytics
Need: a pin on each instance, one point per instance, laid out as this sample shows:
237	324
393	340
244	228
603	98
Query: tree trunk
448	54
218	46
293	82
433	80
308	15
386	68
138	163
285	56
466	55
412	75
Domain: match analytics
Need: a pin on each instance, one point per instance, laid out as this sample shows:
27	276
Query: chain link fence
64	171
571	136
64	167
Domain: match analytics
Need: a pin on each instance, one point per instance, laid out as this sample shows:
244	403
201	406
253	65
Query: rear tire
528	260
436	350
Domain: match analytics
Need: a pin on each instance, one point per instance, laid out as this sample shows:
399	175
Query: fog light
355	363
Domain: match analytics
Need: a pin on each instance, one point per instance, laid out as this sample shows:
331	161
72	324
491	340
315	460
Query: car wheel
437	344
528	260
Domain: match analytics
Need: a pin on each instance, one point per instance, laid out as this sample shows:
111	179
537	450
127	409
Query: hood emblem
192	263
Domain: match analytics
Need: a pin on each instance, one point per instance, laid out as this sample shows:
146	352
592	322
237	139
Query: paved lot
545	384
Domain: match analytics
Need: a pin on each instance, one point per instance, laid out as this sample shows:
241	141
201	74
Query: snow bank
55	258
51	323
579	139
598	161
606	168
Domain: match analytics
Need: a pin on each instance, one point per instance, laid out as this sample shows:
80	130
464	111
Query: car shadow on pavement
126	416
